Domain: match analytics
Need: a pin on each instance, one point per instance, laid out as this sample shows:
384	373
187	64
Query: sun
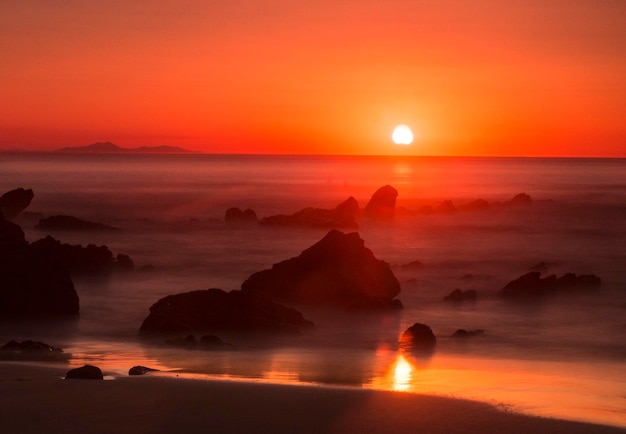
402	135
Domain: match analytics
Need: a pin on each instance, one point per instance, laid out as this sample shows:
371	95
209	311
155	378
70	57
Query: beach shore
35	398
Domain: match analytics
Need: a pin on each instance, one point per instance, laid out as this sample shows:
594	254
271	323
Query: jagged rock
141	370
32	282
343	216
336	271
458	296
462	333
382	204
236	215
532	285
475	205
446	207
541	266
413	265
87	372
77	259
13	202
419	337
215	310
70	223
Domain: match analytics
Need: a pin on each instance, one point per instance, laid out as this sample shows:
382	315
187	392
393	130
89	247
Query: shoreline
35	398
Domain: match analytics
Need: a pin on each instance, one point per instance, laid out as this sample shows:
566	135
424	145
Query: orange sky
482	77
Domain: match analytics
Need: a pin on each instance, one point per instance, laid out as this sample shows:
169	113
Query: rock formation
215	310
70	223
344	216
382	204
86	372
458	296
236	215
13	202
419	337
531	284
32	282
337	271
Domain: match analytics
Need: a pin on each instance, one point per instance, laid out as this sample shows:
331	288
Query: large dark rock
521	199
13	202
419	337
70	223
32	282
382	204
214	310
90	260
531	285
343	216
29	346
336	271
87	372
141	370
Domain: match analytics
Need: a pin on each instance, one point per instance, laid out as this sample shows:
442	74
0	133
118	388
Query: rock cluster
531	285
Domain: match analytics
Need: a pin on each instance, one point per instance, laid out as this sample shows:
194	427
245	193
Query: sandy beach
35	398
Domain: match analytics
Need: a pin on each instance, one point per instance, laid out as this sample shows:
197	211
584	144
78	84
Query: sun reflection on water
402	374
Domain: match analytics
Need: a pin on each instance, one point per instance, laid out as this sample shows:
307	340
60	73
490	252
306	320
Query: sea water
562	356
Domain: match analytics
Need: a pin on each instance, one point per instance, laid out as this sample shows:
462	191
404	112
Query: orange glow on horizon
329	79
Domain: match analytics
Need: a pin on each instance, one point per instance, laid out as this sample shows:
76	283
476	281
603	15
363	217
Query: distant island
111	148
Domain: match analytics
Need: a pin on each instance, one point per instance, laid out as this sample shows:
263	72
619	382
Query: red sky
481	77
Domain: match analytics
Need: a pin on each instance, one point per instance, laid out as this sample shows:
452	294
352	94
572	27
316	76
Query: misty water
561	356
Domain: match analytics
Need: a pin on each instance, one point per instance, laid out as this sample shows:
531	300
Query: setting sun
402	135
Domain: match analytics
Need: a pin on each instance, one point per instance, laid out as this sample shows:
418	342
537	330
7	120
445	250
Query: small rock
87	372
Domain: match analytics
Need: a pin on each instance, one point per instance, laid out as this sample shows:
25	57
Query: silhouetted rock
29	346
141	370
458	296
521	199
541	266
419	337
336	271
382	204
13	202
215	310
70	223
236	215
32	282
343	216
87	372
413	265
532	285
89	260
462	333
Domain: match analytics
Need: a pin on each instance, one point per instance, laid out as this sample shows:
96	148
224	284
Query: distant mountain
111	148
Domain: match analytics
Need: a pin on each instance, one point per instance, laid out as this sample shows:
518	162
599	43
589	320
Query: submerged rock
462	333
29	346
70	223
336	271
214	310
419	337
236	215
382	204
531	284
87	372
13	202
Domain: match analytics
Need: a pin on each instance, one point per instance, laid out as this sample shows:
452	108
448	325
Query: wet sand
35	398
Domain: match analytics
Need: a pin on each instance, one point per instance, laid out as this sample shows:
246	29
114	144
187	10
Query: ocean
563	356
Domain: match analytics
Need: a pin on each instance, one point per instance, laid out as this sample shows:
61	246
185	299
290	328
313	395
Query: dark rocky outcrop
29	346
215	310
141	370
446	207
531	285
382	204
458	296
70	223
32	281
336	271
236	215
521	199
463	334
475	205
91	260
13	202
413	265
87	372
419	337
343	216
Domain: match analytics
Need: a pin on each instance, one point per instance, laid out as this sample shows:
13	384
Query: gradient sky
480	77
